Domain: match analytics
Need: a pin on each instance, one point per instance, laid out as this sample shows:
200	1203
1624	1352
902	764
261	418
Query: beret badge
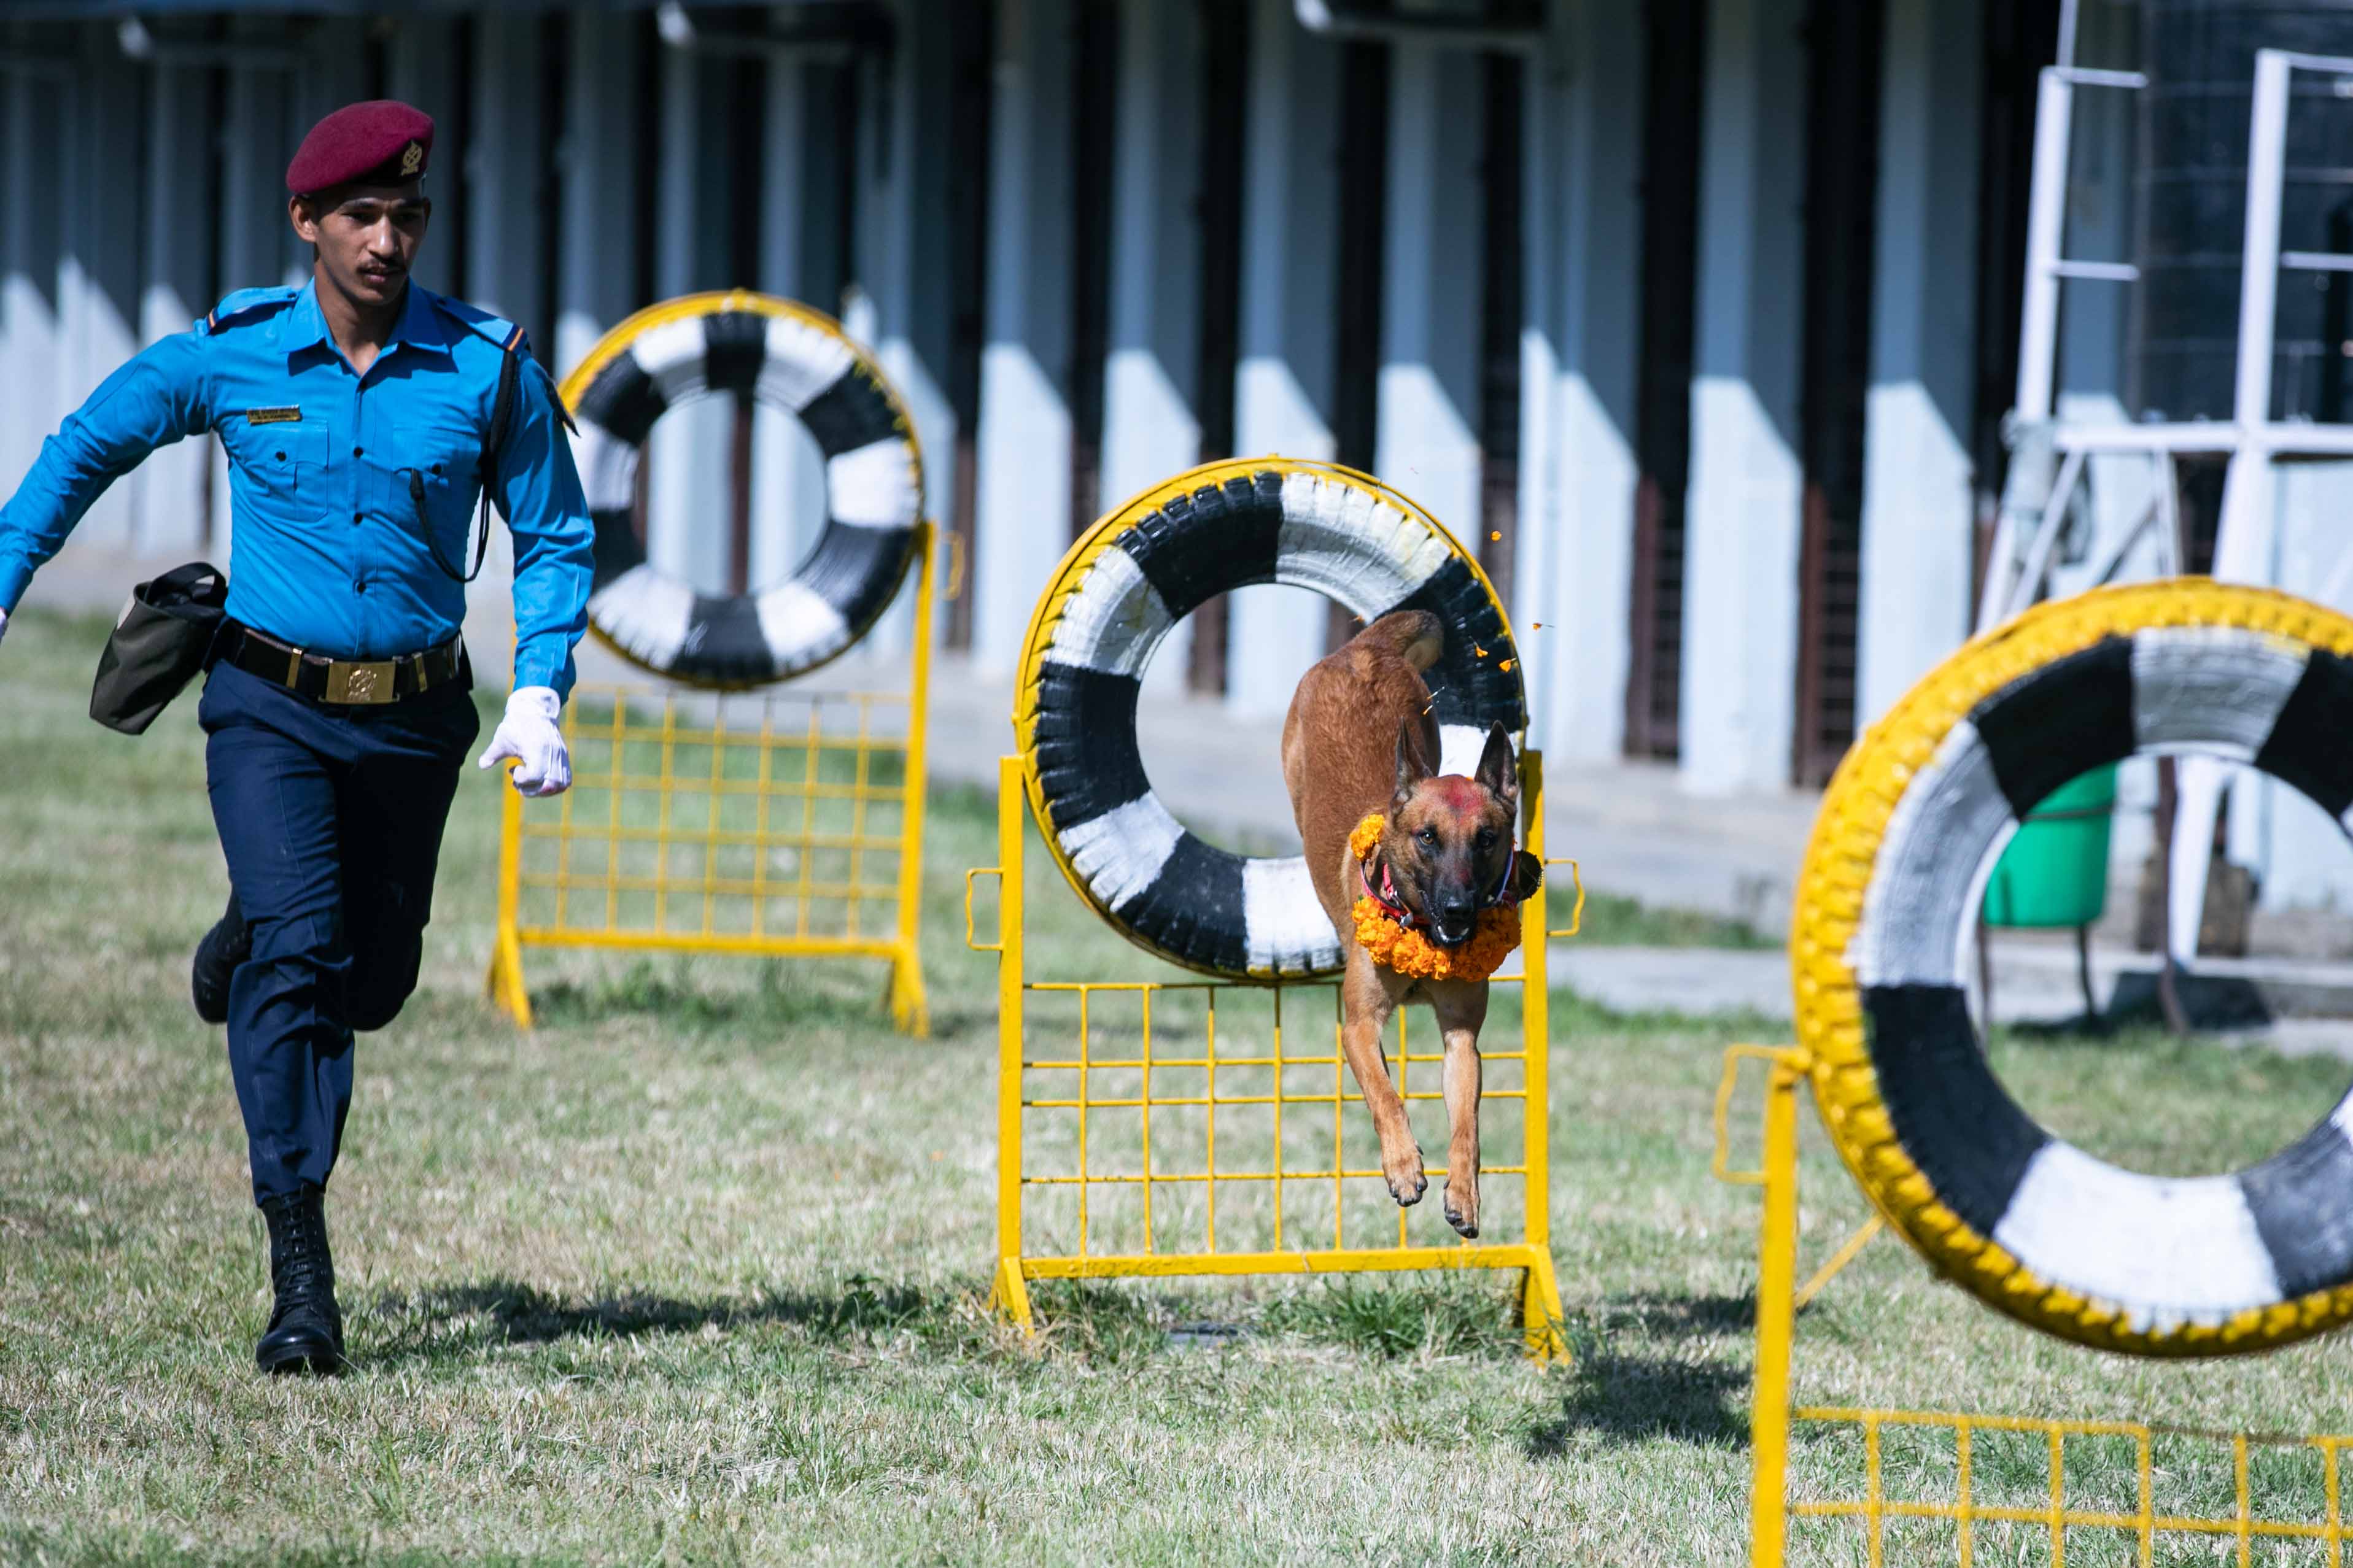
412	158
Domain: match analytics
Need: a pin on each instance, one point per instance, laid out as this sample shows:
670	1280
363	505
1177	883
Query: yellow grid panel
1941	1486
776	822
1990	1486
1211	1127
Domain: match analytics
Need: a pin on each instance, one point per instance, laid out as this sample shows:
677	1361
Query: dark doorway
1364	220
972	31
1843	73
1225	89
2021	36
1502	308
1675	42
1094	65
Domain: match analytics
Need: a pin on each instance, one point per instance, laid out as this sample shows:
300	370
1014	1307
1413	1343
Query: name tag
274	416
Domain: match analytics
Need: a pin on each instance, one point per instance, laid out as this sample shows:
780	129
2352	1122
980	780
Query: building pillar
423	68
1578	377
687	531
258	247
1152	426
32	248
330	72
502	166
787	470
167	491
1919	497
597	259
98	281
1282	390
1427	437
1740	617
901	266
1024	500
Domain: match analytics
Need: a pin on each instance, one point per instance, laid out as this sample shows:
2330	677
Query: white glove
528	733
4	623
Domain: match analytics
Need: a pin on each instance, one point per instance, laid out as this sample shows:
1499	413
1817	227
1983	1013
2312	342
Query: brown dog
1359	739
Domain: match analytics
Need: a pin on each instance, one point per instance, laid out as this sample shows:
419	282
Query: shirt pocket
435	483
281	467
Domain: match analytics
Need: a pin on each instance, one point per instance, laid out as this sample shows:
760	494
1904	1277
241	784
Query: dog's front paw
1403	1170
1462	1205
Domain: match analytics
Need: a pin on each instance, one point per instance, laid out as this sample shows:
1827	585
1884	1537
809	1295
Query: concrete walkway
1632	827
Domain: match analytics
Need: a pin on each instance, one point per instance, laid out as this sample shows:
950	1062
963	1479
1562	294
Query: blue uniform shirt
325	466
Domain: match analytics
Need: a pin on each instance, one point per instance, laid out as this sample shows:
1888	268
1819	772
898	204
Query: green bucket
2054	871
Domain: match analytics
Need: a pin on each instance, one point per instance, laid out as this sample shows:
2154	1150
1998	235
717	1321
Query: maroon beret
382	142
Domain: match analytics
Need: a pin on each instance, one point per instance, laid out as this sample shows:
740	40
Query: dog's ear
1412	767
1528	874
1496	770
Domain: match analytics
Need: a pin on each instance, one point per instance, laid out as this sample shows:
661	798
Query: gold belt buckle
364	680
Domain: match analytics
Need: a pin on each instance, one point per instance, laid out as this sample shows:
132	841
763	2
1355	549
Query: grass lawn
695	1272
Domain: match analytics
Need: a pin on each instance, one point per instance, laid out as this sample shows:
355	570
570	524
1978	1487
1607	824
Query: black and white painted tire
1907	833
793	358
1131	578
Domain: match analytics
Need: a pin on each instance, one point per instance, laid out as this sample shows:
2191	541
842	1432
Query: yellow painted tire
1139	571
2039	1229
796	360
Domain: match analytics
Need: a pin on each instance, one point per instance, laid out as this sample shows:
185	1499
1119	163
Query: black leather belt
341	680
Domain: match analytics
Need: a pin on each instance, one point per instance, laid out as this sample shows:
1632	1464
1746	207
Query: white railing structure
2049	456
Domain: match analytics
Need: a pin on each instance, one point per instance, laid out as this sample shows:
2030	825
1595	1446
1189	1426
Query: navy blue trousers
330	818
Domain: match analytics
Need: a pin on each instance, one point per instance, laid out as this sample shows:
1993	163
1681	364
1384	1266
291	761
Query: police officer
363	414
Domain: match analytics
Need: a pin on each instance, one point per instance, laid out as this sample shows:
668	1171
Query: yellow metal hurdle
1259	1066
2138	1525
769	823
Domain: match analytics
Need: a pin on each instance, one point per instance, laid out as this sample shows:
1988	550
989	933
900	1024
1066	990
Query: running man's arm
537	491
153	401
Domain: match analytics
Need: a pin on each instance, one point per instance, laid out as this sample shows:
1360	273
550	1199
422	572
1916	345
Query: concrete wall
1283	387
1152	426
1740	590
1578	355
1024	504
1427	441
83	283
1918	499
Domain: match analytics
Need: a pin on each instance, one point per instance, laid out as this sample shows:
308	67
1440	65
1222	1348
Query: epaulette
505	334
514	345
248	305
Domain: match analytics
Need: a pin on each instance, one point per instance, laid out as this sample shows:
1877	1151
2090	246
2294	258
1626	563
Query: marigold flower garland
1399	947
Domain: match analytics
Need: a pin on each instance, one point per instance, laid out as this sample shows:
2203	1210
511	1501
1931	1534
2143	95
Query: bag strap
198	583
494	443
501	409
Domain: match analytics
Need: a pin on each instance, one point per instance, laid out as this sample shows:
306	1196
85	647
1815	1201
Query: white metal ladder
2050	456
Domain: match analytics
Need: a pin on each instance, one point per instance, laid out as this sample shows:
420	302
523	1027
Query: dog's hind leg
1365	1004
1461	1009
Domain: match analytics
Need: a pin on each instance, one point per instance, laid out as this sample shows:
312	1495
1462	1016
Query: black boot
306	1327
218	955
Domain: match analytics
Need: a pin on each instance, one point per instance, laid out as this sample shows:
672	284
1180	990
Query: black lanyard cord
481	550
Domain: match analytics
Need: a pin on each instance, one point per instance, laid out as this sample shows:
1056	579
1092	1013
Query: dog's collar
1386	895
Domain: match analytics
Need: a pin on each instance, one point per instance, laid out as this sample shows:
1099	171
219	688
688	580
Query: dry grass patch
694	1273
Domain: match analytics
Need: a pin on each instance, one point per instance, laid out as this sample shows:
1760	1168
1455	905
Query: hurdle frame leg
1010	1292
504	982
908	1010
1776	1310
1539	1312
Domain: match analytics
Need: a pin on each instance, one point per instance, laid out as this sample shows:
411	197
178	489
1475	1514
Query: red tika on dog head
1448	840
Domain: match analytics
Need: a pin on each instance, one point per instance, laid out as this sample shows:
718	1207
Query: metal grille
1996	1485
1938	1486
776	822
1131	1092
1211	1127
